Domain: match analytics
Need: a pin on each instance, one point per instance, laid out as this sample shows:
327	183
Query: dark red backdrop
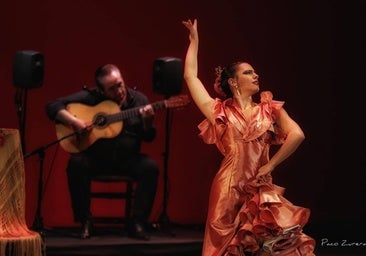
291	47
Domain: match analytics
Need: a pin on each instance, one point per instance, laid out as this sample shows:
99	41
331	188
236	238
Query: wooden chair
126	194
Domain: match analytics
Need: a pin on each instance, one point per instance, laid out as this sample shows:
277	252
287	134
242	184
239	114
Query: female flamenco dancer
247	213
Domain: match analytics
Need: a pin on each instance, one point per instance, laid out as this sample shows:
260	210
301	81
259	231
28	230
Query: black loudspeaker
167	76
28	69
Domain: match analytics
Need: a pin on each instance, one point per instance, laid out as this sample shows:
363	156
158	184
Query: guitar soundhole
100	121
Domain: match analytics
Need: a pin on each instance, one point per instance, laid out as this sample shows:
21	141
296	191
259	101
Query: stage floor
108	241
175	241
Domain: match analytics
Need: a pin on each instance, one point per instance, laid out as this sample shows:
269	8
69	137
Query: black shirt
128	141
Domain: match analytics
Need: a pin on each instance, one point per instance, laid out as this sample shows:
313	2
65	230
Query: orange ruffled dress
248	216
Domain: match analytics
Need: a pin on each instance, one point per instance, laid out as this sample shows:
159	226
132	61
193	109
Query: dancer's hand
192	27
264	171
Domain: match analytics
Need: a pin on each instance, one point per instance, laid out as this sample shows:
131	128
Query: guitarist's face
114	87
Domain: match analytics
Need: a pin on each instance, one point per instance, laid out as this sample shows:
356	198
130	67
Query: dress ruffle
212	134
269	223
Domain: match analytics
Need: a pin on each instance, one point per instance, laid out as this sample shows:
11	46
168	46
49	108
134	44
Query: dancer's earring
237	90
234	85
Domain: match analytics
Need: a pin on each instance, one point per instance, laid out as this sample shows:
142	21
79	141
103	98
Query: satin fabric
244	212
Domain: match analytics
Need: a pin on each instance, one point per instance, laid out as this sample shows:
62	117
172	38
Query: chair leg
128	206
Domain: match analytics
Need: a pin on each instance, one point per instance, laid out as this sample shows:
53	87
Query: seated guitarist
119	154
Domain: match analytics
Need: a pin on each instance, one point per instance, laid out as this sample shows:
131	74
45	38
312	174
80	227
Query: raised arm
198	92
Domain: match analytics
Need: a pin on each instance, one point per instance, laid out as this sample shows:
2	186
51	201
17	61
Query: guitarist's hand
78	125
147	112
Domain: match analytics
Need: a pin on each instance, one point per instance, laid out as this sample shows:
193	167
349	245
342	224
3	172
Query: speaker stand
20	99
164	223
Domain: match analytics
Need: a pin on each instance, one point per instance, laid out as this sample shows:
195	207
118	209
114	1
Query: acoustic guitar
106	121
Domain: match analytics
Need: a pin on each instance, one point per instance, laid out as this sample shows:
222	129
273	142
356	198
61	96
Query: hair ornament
218	71
217	84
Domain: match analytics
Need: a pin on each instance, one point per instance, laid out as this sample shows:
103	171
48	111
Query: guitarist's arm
67	118
147	114
56	109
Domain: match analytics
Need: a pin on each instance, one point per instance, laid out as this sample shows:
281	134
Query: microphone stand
38	220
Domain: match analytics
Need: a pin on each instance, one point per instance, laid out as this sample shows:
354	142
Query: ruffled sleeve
211	134
271	107
269	104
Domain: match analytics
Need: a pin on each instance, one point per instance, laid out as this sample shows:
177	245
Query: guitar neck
133	112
